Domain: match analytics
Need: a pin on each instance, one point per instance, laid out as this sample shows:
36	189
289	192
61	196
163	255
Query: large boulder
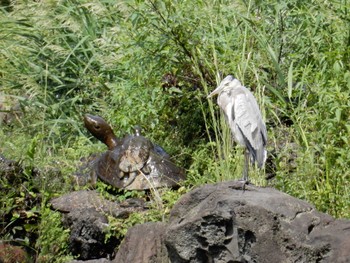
223	223
85	214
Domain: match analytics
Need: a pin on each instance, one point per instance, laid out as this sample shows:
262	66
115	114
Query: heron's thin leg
246	166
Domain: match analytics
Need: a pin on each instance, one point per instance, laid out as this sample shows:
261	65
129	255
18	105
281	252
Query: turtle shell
135	153
157	172
133	162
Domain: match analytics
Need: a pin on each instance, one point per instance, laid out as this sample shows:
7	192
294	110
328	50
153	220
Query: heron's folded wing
249	121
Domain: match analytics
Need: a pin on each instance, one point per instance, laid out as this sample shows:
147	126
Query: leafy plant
52	243
152	63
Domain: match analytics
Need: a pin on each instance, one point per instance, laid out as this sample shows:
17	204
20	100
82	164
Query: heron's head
227	83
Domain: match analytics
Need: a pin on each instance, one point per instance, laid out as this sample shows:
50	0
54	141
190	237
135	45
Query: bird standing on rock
244	118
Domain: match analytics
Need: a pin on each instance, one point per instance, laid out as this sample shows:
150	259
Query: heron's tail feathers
261	155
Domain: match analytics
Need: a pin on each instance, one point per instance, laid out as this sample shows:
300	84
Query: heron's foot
244	183
239	184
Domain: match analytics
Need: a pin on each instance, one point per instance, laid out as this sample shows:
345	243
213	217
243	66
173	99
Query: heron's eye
97	127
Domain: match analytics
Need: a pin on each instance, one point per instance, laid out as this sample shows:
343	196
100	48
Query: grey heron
244	118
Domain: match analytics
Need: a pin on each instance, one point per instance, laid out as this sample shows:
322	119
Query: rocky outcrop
222	223
84	213
149	237
85	199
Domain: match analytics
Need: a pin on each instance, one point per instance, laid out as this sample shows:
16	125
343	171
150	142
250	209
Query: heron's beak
215	92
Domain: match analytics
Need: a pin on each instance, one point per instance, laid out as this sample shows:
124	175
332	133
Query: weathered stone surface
336	235
85	199
87	234
221	223
143	244
85	215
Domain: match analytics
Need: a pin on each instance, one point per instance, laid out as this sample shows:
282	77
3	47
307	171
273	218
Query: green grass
62	59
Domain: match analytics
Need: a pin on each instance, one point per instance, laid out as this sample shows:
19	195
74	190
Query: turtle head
100	129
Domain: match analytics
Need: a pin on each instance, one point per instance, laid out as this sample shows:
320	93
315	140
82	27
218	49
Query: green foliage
152	63
160	205
52	243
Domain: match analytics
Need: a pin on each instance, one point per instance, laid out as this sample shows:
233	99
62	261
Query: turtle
105	166
132	162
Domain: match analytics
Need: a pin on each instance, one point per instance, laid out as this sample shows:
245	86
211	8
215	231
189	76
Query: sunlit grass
62	59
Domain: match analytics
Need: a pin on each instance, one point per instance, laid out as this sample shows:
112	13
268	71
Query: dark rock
143	244
85	199
336	236
85	214
222	223
87	234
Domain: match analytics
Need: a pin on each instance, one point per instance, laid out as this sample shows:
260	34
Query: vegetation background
152	63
